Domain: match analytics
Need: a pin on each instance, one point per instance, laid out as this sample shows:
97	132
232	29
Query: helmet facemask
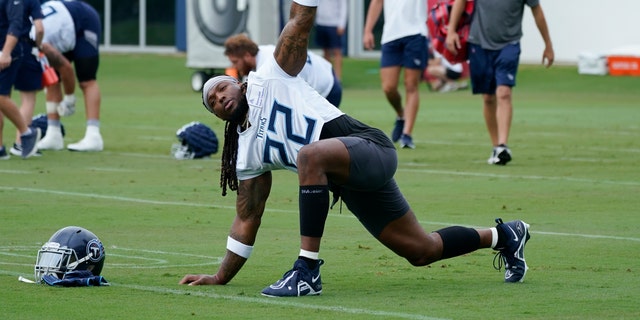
53	259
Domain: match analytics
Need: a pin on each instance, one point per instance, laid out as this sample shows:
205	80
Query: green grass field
575	178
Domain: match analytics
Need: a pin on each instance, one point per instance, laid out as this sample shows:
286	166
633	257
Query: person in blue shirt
18	68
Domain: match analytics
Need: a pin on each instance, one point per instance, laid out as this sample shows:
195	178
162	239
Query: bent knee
425	253
307	156
422	260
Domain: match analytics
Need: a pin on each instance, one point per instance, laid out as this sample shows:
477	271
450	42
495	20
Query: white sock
494	237
309	254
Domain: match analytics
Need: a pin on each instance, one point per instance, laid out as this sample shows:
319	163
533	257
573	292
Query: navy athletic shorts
492	68
327	37
24	73
371	193
409	52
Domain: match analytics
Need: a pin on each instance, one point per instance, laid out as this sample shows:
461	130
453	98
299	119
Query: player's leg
27	106
8	107
53	139
86	61
86	71
25	74
336	61
414	60
390	68
406	237
318	163
507	62
506	68
28	82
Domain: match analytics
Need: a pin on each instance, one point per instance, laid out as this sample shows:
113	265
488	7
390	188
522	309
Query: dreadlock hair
228	176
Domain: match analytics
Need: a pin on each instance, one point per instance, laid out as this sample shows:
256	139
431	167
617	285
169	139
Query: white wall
575	26
582	26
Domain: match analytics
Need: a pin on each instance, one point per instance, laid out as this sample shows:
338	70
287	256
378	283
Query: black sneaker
501	155
397	130
28	143
16	150
299	281
512	254
406	142
3	153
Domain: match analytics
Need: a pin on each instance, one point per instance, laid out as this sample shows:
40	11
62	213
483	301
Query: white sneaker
52	140
493	159
90	142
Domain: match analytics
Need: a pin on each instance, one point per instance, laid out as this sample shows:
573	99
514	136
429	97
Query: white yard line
203	205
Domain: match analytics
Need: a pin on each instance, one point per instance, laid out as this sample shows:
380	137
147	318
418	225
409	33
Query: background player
72	35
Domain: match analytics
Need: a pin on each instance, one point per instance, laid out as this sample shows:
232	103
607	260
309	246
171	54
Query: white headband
210	84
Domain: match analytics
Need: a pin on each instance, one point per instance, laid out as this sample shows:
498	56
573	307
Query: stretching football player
275	120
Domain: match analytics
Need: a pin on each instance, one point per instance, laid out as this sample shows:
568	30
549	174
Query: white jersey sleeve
285	114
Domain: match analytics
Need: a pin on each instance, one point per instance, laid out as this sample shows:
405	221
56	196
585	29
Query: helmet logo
95	250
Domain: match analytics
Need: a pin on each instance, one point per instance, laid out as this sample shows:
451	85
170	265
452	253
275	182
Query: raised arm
291	48
250	204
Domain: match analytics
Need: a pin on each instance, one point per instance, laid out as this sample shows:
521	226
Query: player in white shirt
72	35
275	120
331	25
247	56
404	46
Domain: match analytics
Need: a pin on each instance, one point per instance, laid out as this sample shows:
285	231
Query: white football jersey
285	114
317	72
59	29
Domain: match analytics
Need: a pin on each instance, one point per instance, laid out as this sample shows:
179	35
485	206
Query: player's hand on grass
200	279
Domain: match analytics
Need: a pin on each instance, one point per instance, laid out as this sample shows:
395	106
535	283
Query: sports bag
437	22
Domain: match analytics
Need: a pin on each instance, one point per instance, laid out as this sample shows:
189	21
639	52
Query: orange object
624	65
49	76
231	72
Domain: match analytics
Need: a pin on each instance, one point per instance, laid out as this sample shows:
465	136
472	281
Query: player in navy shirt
18	67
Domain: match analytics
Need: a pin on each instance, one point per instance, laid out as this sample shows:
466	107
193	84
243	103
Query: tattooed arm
291	48
250	204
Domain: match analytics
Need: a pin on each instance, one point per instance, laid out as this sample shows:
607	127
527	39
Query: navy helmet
70	249
40	121
196	141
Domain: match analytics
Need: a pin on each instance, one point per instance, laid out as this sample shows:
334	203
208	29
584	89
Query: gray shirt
497	23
